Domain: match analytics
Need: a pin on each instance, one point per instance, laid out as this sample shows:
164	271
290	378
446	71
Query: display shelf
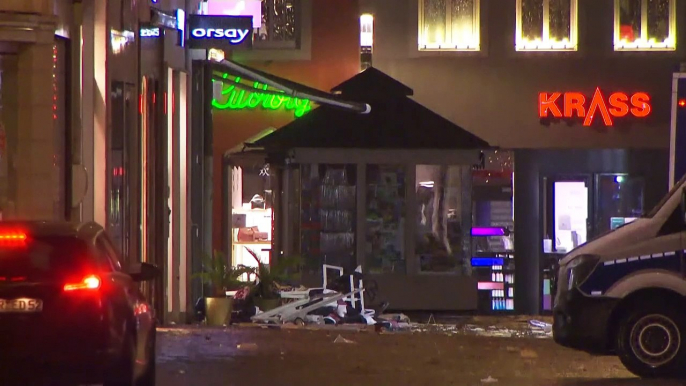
495	276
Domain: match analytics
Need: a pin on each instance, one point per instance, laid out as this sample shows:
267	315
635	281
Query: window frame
572	45
476	21
619	46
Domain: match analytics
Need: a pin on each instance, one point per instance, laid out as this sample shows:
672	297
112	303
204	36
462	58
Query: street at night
299	357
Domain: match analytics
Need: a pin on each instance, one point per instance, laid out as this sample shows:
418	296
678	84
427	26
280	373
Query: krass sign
574	105
220	32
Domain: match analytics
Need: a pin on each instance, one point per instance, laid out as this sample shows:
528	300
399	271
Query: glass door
566	213
566	208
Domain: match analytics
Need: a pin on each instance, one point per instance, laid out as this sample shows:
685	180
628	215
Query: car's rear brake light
10	239
90	282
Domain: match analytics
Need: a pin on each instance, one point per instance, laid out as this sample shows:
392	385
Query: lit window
451	25
546	25
280	24
366	40
645	25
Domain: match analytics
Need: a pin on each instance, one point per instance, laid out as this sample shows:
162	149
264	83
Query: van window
659	205
674	224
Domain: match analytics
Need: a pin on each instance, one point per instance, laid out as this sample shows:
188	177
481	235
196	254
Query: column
37	177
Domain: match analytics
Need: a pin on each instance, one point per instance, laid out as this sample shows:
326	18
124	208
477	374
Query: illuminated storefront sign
235	36
252	8
220	32
573	105
236	98
150	32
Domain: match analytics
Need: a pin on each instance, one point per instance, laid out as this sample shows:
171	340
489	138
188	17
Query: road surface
202	356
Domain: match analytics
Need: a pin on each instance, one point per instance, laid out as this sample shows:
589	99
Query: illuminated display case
493	257
252	212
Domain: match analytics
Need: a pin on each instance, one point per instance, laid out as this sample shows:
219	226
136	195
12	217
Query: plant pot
267	304
218	311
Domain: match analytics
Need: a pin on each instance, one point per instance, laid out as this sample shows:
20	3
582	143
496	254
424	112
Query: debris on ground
340	339
247	346
490	379
528	354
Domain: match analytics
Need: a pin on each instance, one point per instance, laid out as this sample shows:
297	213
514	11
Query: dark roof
393	123
403	125
371	80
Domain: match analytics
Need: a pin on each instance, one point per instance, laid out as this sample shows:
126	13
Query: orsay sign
235	36
221	32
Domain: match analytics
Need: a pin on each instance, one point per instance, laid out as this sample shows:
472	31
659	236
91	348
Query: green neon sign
241	99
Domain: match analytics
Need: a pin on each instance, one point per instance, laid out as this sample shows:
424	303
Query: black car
69	312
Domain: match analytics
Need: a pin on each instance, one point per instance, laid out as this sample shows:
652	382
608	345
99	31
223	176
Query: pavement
475	352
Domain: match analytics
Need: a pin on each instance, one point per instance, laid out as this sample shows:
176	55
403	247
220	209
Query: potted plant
220	276
266	294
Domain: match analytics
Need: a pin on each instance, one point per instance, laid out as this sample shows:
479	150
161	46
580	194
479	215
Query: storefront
252	191
390	191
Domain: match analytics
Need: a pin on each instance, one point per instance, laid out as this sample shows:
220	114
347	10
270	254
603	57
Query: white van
624	293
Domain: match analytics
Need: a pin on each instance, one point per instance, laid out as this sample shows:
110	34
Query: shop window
385	219
644	25
451	25
619	200
546	25
442	239
492	258
328	212
252	200
280	24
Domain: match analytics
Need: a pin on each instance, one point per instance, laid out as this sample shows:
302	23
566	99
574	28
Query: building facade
580	88
93	125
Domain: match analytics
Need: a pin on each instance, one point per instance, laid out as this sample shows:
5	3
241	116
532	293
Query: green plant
285	269
220	275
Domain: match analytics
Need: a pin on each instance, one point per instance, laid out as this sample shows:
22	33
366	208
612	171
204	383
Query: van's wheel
649	341
299	322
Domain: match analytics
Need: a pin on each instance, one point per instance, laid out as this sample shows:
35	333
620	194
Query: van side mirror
144	272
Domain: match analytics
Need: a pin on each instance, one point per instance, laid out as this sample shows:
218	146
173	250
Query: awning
293	89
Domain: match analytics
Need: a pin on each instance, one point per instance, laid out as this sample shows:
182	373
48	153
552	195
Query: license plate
21	305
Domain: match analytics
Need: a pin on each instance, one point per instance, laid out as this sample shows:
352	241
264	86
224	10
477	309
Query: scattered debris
528	354
489	380
182	371
247	346
340	339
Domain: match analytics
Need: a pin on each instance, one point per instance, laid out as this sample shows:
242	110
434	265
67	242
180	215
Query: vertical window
328	211
366	40
449	25
645	25
443	210
546	25
385	219
279	23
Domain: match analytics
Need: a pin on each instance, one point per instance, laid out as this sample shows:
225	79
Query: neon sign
235	36
240	99
574	106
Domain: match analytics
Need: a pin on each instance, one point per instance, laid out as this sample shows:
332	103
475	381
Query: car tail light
90	282
12	239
